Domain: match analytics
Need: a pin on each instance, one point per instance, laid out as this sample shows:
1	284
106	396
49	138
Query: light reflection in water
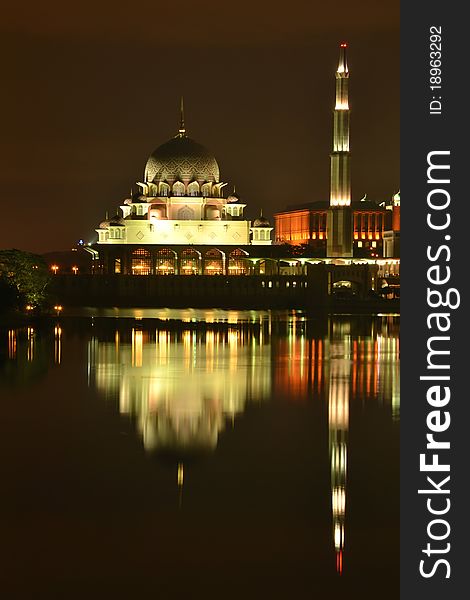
182	386
57	344
11	343
338	425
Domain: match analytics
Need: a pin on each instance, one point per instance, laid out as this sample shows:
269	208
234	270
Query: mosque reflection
182	387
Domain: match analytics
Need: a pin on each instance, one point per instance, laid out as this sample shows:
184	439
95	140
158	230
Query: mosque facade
180	222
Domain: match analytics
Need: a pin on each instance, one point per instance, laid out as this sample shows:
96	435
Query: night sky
89	92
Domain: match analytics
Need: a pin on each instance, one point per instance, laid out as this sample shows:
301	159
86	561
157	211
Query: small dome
116	222
182	159
261	222
233	198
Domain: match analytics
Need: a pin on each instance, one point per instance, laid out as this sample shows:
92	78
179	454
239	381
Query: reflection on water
182	383
182	386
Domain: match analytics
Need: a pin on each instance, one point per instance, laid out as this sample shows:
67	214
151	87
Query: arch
214	262
186	214
163	189
158	211
141	262
212	212
190	262
237	264
206	189
165	262
193	189
178	188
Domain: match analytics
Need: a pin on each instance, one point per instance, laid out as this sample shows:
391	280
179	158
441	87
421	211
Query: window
190	260
237	264
141	263
165	263
214	262
178	188
193	189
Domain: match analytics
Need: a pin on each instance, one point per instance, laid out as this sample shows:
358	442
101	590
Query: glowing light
180	474
340	202
342	105
54	269
75	269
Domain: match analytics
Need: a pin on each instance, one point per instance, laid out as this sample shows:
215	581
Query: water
256	456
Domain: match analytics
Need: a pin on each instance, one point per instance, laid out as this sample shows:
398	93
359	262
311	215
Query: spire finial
182	129
343	62
261	213
107	216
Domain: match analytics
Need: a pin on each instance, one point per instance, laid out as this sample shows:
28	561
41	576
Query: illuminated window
164	189
193	189
165	263
214	262
237	264
117	265
141	263
178	188
190	260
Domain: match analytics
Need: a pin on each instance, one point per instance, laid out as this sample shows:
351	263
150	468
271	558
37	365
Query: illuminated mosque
180	222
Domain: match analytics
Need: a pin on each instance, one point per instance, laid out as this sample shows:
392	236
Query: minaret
339	221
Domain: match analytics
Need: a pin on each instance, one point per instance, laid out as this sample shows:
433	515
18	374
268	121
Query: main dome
182	159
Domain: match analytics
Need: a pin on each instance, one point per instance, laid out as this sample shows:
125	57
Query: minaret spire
182	129
339	234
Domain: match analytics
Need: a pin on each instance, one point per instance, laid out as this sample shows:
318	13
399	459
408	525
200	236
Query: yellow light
54	268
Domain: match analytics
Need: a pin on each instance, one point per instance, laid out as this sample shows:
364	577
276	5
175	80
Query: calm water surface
200	453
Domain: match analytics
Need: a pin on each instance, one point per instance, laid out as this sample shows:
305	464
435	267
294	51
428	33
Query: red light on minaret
343	45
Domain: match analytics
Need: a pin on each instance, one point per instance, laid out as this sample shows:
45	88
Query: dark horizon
89	96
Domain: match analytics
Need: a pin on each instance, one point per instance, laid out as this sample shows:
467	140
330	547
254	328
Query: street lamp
54	269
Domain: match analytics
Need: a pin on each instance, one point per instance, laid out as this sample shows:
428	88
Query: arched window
214	261
206	189
141	263
190	261
164	189
165	263
193	188
237	263
178	188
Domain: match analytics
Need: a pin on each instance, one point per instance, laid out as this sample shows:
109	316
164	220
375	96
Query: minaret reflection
338	425
182	386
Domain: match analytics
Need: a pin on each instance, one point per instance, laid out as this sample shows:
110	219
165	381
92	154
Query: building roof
365	205
182	159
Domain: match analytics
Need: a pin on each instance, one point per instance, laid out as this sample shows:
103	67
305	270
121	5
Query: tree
26	274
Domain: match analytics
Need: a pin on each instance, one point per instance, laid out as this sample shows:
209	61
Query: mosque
181	222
